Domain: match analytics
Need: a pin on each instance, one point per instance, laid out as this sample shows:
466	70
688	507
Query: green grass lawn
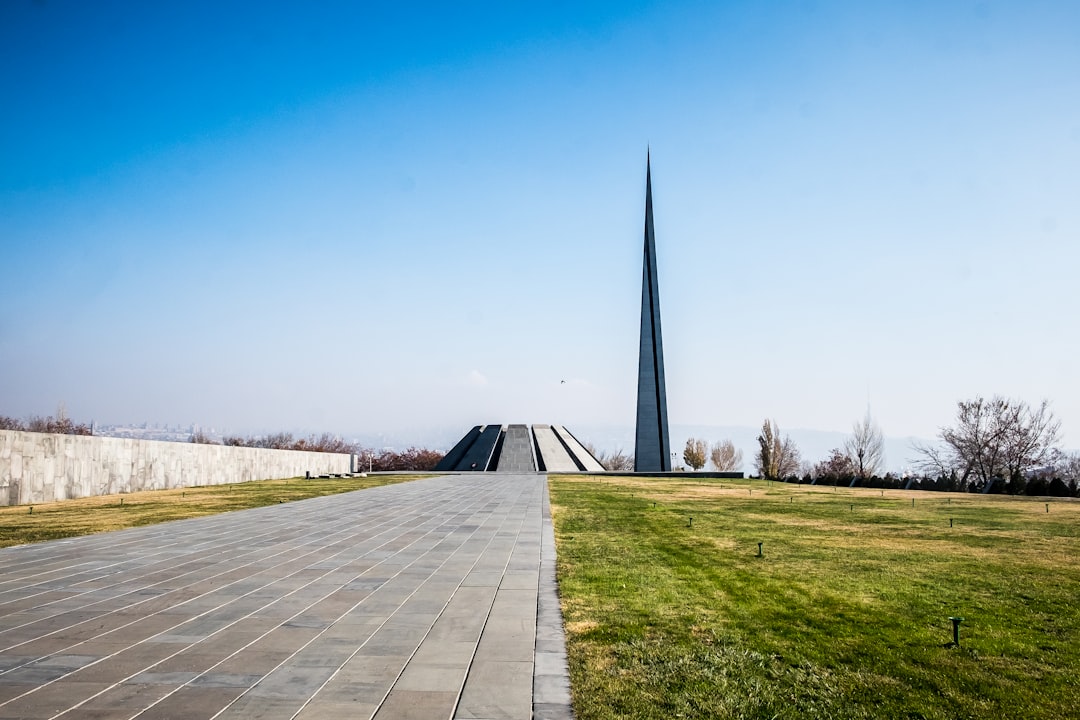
19	524
846	614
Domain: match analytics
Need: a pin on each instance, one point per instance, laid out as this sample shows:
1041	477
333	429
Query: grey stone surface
578	450
652	449
517	450
433	598
555	457
45	467
551	675
451	459
477	457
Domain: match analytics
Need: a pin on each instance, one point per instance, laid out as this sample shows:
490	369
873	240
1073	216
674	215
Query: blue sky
351	218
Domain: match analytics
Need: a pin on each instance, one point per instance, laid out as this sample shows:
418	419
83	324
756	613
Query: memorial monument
652	450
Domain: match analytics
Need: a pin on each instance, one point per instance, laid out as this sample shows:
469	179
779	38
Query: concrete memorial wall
43	467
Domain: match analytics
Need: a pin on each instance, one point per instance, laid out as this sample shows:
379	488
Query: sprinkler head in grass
956	630
691	522
759	549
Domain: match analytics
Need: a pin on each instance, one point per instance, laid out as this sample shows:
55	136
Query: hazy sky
336	217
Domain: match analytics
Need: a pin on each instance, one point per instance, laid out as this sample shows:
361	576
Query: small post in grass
912	502
759	550
1047	507
121	502
956	630
691	522
852	507
31	509
950	522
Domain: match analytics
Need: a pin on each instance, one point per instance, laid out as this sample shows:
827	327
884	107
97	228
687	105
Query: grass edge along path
844	616
22	524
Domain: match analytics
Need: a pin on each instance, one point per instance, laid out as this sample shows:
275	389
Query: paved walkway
418	600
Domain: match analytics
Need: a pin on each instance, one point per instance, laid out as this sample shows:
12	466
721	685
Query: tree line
61	424
995	445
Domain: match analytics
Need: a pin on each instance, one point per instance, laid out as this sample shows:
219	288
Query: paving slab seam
285	661
478	700
194	550
186	647
203	579
147	639
192	553
360	647
301	615
551	671
426	635
113	547
196	560
487	617
289	549
143	537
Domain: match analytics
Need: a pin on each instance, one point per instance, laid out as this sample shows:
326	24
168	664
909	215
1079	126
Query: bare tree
724	456
996	438
866	447
1066	466
1031	439
776	458
201	438
409	459
275	441
838	466
617	461
695	452
62	425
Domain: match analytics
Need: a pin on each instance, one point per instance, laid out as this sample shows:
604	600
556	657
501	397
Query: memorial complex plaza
434	598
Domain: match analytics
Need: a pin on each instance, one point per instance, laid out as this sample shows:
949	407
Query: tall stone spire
652	450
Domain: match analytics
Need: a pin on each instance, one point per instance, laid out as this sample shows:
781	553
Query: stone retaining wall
43	467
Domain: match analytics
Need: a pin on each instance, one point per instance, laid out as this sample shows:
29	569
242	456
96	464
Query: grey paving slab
427	599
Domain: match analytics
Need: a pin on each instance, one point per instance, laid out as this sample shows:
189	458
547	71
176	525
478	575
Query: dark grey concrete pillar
652	450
